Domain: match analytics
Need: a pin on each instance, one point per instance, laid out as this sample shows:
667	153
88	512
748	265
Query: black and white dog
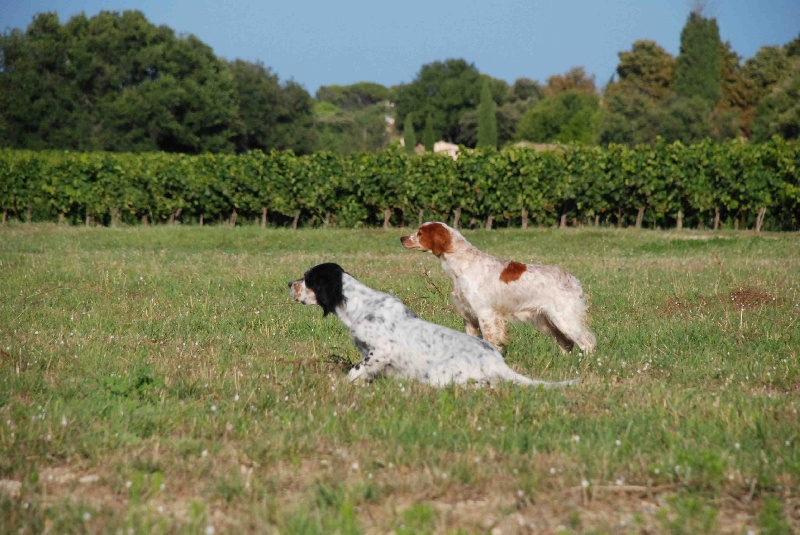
393	341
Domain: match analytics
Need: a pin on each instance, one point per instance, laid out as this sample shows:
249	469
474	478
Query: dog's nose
290	284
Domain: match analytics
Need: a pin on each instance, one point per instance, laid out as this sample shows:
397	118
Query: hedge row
708	184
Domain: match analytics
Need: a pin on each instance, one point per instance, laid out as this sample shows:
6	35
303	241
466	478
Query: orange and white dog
489	291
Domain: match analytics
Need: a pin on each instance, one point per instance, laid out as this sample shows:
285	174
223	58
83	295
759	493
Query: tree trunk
387	215
29	215
5	216
174	216
456	218
619	217
234	215
597	220
421	215
202	219
115	217
563	223
88	220
524	218
263	217
760	219
145	221
489	221
295	220
639	217
679	223
716	218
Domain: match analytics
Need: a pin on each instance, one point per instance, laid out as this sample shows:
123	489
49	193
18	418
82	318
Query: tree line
116	82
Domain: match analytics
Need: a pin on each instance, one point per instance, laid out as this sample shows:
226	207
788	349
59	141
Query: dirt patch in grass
741	298
749	298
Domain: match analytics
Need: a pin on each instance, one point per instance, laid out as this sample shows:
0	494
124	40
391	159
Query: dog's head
434	237
321	285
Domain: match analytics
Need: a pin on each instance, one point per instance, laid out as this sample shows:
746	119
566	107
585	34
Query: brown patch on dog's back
435	237
512	272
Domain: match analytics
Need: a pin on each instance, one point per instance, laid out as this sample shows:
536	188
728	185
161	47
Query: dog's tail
520	379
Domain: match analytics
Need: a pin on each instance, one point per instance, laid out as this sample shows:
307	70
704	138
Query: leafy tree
115	82
487	118
258	94
40	107
686	120
568	117
525	90
645	80
443	90
356	96
409	137
574	79
647	69
763	71
349	131
779	111
698	67
508	115
629	118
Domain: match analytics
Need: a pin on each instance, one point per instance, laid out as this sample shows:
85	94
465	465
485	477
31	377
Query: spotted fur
489	291
393	341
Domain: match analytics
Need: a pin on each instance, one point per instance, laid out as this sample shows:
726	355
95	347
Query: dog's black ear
326	282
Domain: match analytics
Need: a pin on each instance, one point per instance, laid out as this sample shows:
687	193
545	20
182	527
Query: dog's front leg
373	365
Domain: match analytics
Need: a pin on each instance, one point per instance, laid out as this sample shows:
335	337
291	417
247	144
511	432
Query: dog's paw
357	373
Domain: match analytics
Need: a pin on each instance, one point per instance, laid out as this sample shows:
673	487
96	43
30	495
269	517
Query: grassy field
159	380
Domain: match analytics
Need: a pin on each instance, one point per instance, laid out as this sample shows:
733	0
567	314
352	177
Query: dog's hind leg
543	324
571	330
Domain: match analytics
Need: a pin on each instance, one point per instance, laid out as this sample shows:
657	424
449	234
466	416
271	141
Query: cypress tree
487	118
428	135
698	70
409	137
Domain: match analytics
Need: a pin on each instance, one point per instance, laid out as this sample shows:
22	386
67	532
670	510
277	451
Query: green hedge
706	184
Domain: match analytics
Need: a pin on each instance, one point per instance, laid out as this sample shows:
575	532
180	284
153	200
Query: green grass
160	379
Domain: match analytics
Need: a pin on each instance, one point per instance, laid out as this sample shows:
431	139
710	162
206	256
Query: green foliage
327	188
356	96
346	131
117	82
698	67
487	118
428	134
272	117
409	136
443	90
779	111
568	117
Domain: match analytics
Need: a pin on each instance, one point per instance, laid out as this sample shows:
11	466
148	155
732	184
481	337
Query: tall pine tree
698	69
487	118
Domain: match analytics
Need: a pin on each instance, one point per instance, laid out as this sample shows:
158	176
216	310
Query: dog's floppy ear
325	280
436	238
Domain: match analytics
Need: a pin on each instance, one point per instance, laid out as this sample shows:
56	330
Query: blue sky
343	42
